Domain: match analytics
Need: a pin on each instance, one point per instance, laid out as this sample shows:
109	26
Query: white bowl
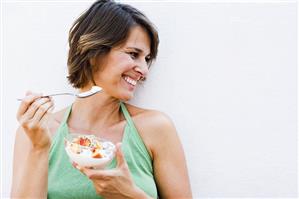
85	159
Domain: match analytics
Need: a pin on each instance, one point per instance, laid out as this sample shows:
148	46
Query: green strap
134	133
126	114
66	114
61	131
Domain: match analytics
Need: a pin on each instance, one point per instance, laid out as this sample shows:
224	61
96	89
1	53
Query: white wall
226	75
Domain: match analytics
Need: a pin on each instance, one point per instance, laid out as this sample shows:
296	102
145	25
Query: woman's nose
142	67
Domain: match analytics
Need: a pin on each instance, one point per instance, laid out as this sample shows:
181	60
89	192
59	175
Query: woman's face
122	68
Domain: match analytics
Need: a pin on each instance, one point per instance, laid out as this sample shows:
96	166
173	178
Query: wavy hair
104	25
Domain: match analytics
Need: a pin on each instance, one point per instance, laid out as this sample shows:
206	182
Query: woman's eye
134	55
147	59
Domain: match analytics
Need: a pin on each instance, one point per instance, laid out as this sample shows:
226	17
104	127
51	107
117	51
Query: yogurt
89	151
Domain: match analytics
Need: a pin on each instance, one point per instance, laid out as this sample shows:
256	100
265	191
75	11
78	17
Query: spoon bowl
92	91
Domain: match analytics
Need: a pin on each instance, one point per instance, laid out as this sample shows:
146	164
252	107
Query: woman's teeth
130	80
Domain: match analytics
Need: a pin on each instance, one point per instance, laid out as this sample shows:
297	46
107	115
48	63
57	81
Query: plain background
225	74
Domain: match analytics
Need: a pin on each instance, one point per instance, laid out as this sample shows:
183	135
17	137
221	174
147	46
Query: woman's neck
99	111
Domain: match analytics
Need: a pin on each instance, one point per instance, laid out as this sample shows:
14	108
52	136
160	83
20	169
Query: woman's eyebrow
138	50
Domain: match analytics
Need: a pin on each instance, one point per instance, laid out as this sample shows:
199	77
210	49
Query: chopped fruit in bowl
89	150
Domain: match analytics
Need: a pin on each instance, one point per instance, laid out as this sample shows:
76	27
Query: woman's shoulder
149	117
152	125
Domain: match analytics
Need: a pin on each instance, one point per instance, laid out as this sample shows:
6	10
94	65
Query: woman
112	46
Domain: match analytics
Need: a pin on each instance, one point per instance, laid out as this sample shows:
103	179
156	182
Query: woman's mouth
130	81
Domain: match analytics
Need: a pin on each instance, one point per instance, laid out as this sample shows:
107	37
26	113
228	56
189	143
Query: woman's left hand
114	183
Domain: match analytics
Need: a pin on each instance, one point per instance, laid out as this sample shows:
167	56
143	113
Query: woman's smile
129	82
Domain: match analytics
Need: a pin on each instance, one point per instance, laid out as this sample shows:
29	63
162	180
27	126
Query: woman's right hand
33	117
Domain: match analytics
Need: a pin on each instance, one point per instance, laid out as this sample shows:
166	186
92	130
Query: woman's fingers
25	104
45	118
97	174
31	111
42	109
33	117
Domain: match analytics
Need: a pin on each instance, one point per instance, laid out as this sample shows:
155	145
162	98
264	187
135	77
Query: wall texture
226	75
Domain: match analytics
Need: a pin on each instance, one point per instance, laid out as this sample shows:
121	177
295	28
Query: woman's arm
30	169
169	162
32	143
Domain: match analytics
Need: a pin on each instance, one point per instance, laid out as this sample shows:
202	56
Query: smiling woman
119	62
103	26
112	46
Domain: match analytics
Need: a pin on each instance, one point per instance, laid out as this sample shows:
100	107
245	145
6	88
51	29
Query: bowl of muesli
89	150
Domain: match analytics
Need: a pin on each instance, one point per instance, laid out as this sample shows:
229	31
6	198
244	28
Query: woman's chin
127	96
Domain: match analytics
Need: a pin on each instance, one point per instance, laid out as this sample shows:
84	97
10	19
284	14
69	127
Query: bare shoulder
159	135
153	126
148	118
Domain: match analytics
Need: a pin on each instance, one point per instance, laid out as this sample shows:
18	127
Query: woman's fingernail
78	167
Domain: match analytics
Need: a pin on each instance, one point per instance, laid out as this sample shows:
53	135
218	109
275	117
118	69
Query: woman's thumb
119	155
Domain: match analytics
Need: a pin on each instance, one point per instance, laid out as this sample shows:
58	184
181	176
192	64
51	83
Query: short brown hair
104	25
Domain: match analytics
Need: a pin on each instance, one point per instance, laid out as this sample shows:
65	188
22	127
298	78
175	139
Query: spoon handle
72	94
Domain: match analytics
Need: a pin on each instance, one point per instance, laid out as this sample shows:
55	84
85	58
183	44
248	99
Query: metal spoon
92	91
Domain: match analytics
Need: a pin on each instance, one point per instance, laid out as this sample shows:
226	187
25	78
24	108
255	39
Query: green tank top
64	181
